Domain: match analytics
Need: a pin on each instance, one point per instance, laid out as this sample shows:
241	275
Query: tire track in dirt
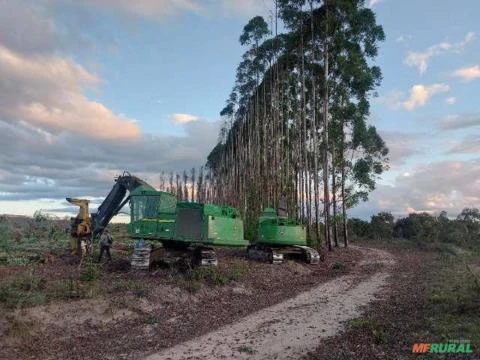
294	327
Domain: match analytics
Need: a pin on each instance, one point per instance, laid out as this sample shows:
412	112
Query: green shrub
381	226
246	349
23	290
137	287
210	275
370	326
238	270
6	236
122	285
193	286
39	216
359	228
29	281
17	261
439	298
358	323
43	235
152	320
37	299
67	289
90	271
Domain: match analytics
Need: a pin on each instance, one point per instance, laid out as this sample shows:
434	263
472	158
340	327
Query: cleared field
54	308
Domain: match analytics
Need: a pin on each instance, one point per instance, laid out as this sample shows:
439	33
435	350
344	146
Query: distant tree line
420	227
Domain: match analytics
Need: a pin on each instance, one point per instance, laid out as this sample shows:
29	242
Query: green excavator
187	232
279	238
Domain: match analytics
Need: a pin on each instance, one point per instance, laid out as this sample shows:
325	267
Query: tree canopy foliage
421	227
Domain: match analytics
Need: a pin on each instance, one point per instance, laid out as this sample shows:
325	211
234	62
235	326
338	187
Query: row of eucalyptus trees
195	185
295	124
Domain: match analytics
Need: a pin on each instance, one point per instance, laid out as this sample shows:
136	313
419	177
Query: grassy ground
433	297
50	303
26	240
53	307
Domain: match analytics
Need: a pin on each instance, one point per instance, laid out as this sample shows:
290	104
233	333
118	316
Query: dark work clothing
107	250
106	239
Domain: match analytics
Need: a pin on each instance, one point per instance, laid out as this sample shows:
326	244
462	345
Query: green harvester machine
280	238
152	214
188	231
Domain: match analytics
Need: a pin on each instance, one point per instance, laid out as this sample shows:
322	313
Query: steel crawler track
144	258
276	255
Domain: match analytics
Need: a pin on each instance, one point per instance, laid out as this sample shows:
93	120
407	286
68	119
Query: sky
91	88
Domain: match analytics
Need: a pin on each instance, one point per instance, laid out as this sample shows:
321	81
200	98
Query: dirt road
293	327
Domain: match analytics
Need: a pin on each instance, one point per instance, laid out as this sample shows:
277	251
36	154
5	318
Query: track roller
264	253
204	256
310	255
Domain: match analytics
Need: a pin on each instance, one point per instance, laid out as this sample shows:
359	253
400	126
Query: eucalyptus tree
192	181
178	186
352	37
170	183
301	97
200	185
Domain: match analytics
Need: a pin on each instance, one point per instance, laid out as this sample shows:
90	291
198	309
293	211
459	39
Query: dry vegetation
56	308
53	307
433	296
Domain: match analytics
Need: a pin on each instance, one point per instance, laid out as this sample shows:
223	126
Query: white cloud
445	185
46	92
403	38
26	28
419	96
372	3
401	146
30	164
158	9
455	122
468	73
420	59
49	128
468	145
392	100
183	118
451	100
244	8
163	9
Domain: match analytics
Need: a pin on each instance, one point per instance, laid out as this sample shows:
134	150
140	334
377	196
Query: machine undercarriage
276	255
144	258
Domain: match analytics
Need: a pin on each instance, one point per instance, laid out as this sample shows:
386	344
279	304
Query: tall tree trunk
303	146
306	171
314	129
326	193
334	199
193	180
185	186
344	205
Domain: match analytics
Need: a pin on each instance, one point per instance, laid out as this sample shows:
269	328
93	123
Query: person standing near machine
105	243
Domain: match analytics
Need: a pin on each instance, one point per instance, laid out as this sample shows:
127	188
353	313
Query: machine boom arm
115	201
